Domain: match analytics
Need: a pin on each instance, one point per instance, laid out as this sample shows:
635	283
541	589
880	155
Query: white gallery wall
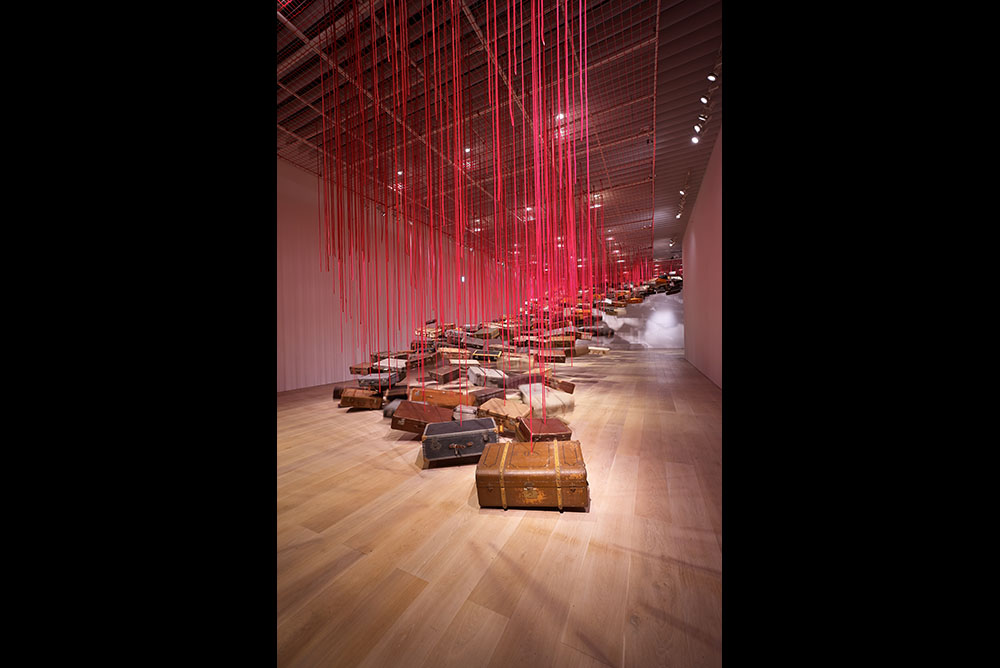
702	292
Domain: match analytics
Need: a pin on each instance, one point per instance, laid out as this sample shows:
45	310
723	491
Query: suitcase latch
529	491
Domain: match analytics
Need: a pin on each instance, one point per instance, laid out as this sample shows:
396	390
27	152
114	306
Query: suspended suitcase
414	416
538	429
444	374
360	398
397	392
463	441
549	474
484	394
484	377
506	413
379	381
446	398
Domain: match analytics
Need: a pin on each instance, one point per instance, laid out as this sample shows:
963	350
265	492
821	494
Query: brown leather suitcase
360	369
549	474
444	374
413	416
445	398
538	429
360	398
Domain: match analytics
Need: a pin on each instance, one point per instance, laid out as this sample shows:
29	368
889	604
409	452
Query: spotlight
703	118
697	128
712	77
682	192
678	215
399	173
704	100
469	150
694	140
559	117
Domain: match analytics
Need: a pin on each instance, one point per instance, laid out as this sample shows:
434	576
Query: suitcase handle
458	446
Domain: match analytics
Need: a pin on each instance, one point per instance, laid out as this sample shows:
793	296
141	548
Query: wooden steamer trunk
548	474
414	417
360	398
458	441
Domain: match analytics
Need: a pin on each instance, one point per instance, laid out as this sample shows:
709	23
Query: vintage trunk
484	377
635	300
538	429
559	384
414	416
360	369
444	374
532	475
505	412
599	350
462	441
391	364
379	381
464	363
445	398
360	398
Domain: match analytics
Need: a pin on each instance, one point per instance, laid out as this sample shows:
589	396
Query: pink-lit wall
317	337
308	350
702	249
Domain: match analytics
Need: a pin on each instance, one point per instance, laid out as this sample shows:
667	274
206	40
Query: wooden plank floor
382	561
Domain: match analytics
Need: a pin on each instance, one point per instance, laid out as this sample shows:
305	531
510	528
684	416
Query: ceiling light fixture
712	77
694	140
703	99
468	150
697	128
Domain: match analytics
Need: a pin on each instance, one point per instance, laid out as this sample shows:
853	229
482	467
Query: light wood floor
382	562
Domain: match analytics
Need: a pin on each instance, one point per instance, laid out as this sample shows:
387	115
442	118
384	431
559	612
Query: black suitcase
462	441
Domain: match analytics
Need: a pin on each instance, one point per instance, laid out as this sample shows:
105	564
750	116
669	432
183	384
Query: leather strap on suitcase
503	463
